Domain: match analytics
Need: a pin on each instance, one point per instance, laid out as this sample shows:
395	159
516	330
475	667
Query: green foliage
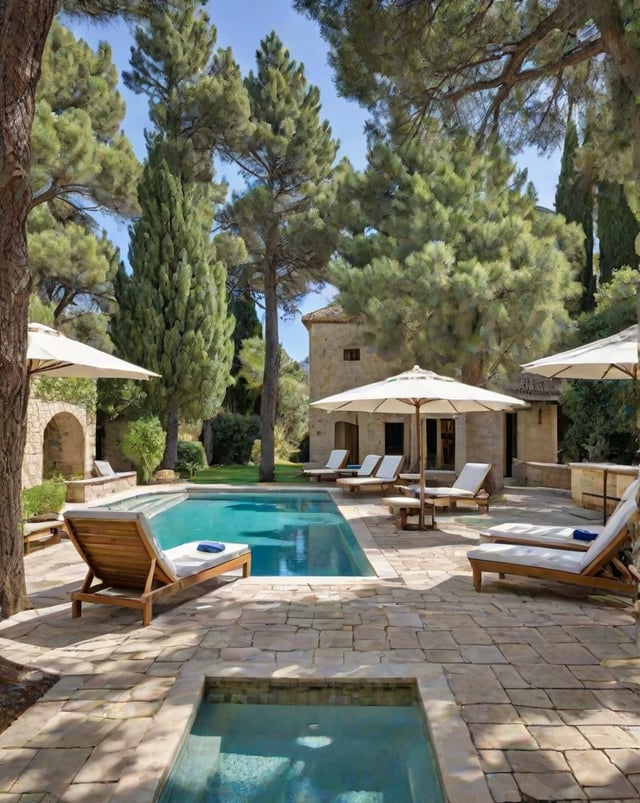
483	277
120	397
240	396
191	458
617	230
143	444
256	451
232	437
602	422
574	200
495	69
616	308
80	162
292	411
49	497
40	311
195	93
74	391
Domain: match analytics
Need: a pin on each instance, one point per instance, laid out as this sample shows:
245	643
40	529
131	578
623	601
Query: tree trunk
269	398
170	456
24	26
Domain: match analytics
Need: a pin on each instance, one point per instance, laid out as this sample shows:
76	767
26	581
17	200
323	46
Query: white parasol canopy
614	357
50	353
420	392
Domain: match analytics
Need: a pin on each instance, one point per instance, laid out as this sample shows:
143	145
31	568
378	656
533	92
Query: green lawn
286	474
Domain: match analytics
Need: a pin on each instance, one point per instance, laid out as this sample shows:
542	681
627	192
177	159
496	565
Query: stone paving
532	689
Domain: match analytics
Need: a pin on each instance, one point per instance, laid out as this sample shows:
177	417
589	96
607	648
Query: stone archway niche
63	448
61	439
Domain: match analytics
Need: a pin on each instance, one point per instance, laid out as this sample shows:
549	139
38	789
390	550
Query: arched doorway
63	447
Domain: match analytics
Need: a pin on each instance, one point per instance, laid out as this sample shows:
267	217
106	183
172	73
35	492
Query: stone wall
113	431
60	440
480	439
538	433
543	475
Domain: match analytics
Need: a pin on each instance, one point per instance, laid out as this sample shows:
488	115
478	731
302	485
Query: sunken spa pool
306	742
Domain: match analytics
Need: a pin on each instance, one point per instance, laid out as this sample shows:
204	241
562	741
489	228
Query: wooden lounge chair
468	486
549	535
336	460
129	567
386	474
43	533
600	566
369	465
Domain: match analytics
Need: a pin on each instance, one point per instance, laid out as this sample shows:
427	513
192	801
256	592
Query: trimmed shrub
232	438
191	458
46	498
143	443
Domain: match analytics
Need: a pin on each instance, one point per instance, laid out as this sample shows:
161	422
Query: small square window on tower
351	355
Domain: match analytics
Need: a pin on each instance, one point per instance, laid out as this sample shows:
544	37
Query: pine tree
574	200
80	162
617	230
448	230
287	162
184	329
173	309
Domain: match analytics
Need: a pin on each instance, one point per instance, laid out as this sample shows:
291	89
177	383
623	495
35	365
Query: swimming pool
291	534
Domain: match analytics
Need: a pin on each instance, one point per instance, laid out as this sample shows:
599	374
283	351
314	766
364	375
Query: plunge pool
306	743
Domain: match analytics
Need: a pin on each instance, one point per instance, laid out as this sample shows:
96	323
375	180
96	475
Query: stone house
339	360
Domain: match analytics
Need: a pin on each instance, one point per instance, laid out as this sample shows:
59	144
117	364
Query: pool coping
459	764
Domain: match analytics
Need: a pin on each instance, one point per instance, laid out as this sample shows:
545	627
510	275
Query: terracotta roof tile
533	387
330	314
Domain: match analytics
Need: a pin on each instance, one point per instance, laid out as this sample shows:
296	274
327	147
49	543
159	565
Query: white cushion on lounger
186	559
402	501
519	528
560	559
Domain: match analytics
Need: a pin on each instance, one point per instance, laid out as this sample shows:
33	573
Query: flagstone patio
531	688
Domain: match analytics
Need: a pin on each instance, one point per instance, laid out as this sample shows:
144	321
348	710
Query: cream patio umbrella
613	357
420	392
50	353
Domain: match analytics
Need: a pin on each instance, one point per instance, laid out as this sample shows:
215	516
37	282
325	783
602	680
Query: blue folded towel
211	546
584	535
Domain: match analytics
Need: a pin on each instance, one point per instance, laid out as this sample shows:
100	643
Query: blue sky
241	25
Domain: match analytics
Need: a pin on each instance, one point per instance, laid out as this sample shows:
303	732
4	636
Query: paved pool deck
532	689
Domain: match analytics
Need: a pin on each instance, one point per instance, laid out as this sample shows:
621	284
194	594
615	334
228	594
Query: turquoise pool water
305	754
290	534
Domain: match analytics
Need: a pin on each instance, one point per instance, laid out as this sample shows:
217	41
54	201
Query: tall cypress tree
287	161
173	307
174	316
617	230
574	200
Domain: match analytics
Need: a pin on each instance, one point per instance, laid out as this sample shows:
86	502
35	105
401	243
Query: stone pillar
483	442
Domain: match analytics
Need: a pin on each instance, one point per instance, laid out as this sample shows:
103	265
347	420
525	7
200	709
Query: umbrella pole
420	467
